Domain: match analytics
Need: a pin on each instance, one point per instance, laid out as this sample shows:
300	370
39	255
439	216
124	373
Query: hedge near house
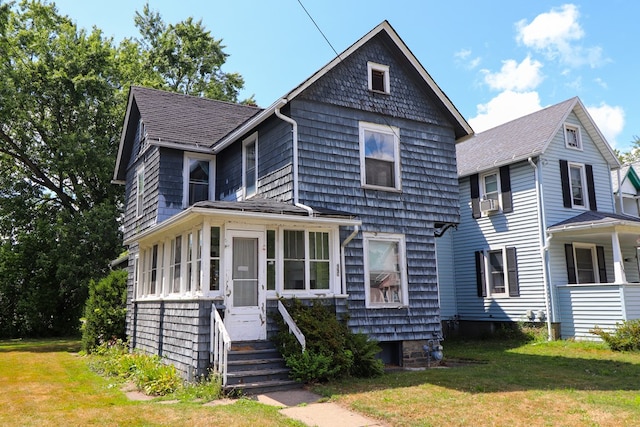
105	311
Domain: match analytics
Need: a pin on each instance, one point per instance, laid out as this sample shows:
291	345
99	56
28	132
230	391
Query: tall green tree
187	57
632	155
62	98
60	114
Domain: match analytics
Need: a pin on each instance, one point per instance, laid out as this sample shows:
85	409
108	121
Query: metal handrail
220	345
293	328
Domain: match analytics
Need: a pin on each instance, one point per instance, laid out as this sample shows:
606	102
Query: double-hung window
585	263
250	165
379	156
175	271
385	271
577	184
497	272
198	178
306	264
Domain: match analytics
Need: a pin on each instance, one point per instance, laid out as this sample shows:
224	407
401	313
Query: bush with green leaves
105	310
626	337
332	349
150	374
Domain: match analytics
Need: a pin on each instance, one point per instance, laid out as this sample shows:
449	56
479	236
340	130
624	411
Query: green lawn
492	384
45	383
561	383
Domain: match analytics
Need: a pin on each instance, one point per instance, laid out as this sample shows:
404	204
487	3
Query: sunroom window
306	260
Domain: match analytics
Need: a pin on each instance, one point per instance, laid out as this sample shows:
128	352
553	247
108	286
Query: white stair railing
220	345
293	328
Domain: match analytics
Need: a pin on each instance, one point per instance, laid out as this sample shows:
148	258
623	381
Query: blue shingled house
334	192
539	239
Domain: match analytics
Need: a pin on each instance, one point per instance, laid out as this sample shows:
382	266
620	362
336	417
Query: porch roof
269	206
596	220
263	210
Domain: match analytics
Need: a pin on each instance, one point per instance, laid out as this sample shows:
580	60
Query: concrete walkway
304	406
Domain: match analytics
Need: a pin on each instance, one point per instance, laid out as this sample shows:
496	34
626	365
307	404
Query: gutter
544	250
294	131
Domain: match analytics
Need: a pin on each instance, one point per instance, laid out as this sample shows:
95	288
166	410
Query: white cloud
506	106
556	34
463	56
609	119
516	77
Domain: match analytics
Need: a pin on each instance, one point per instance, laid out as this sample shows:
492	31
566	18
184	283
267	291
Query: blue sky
496	60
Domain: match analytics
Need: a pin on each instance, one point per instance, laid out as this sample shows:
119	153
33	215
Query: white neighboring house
626	189
539	239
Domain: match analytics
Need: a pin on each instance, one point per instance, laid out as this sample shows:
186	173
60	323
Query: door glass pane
584	265
245	272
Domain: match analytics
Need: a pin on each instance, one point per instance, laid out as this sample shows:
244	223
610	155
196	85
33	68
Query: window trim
511	287
186	172
583	179
253	138
384	129
384	69
403	293
567	128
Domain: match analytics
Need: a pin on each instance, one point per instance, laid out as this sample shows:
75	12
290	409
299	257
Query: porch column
618	266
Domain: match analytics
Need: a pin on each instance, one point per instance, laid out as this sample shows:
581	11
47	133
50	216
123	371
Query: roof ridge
193	97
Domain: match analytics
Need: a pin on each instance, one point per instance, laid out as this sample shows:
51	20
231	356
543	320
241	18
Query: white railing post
220	345
293	328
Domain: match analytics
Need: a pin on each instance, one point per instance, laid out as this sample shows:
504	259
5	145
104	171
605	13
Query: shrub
332	349
105	310
625	338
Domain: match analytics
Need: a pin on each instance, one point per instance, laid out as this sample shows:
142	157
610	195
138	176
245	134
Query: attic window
378	77
572	137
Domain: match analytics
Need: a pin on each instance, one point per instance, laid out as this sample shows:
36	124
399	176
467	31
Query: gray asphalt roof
513	141
177	118
594	217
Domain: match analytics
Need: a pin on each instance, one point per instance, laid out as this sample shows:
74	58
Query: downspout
294	131
343	274
544	249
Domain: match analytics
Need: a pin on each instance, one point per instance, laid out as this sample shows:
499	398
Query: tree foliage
186	56
62	98
632	155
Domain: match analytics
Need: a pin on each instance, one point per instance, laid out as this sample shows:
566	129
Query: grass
46	383
492	383
505	383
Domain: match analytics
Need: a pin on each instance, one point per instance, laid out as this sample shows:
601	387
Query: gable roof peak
524	137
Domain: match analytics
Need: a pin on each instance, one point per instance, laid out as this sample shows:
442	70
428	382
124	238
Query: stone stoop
256	367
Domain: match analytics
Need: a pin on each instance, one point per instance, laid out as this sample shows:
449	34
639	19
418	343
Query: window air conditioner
488	205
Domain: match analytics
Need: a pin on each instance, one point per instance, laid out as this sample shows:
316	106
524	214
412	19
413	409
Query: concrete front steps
257	367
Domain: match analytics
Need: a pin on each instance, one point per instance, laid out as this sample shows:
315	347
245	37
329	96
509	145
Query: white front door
245	286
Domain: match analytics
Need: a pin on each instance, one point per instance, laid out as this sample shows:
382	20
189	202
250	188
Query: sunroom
238	255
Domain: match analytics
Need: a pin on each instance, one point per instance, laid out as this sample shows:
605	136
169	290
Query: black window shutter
482	289
602	269
505	189
571	265
475	196
564	178
512	272
591	188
